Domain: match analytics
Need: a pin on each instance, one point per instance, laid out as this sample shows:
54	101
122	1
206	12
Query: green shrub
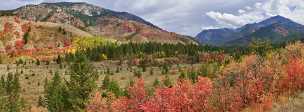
156	83
167	82
115	89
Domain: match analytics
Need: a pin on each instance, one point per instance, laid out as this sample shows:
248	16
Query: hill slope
20	37
98	21
276	29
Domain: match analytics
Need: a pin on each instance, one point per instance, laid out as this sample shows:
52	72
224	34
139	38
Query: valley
80	57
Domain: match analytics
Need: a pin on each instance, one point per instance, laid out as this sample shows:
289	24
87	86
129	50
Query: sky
190	17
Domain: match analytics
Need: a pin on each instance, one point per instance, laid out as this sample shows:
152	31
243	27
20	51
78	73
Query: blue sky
192	16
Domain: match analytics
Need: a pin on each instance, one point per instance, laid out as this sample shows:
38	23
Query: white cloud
293	9
248	8
233	21
182	16
241	11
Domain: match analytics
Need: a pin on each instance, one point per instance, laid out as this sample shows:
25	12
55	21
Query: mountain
97	21
276	29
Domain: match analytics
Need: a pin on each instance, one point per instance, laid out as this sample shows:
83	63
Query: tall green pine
10	99
82	83
54	94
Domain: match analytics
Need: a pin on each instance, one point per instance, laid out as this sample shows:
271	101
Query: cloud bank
292	9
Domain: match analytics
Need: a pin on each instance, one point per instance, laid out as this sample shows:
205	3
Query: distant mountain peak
278	17
272	29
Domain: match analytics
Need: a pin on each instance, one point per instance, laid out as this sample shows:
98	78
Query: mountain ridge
98	21
273	29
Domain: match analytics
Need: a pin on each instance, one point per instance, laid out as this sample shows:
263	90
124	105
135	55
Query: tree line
137	50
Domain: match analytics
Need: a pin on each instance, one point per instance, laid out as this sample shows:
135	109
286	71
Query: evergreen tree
151	71
193	76
2	95
26	37
59	60
167	81
55	90
82	82
138	73
156	83
115	89
10	99
182	75
106	81
165	69
37	62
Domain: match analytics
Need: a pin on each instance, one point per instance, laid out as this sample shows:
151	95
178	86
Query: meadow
151	77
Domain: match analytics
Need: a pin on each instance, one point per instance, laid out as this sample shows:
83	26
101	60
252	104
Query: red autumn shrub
8	48
7	27
266	103
212	57
183	97
226	100
294	79
16	33
244	85
97	104
137	96
135	61
250	89
19	44
25	27
67	43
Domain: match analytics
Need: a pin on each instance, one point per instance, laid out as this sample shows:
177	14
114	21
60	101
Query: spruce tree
156	83
2	94
167	81
114	87
106	81
55	90
10	98
182	75
81	84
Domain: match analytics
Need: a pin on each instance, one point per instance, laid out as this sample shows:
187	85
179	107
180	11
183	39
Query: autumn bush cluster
184	96
253	83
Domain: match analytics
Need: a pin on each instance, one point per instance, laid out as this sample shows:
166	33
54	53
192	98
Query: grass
32	78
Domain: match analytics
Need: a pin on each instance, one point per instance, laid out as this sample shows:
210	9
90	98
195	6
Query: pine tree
106	81
55	90
182	75
138	73
193	76
115	89
167	81
26	37
82	82
156	83
2	94
59	60
165	69
10	98
151	71
37	62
